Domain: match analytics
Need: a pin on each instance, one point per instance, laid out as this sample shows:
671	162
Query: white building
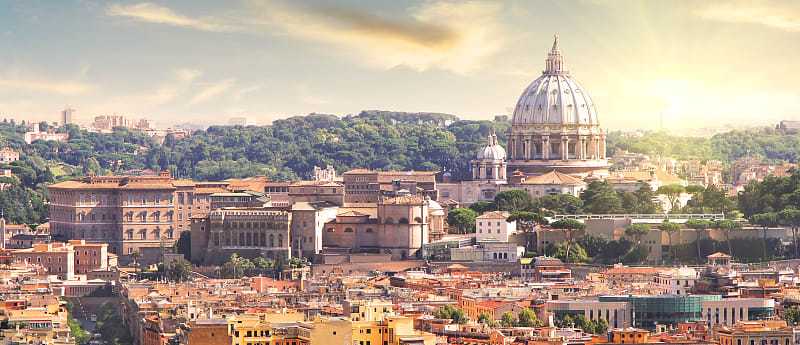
8	155
494	226
728	311
488	252
676	281
35	134
308	220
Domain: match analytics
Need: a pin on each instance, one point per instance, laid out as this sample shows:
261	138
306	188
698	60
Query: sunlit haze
646	64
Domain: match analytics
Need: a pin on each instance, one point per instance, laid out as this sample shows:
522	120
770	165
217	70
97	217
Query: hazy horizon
692	64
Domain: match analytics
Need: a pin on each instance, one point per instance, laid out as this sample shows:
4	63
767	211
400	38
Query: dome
555	97
492	150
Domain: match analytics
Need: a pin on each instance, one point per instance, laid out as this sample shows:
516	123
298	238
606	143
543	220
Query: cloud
782	16
212	90
454	36
62	87
152	13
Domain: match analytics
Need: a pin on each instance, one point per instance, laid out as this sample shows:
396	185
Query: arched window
389	220
403	221
271	240
418	220
280	240
348	230
263	239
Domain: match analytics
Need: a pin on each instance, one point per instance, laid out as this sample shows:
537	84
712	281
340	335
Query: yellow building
768	332
269	329
368	310
628	336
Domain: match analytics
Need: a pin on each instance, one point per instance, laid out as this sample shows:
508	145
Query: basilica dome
555	126
555	97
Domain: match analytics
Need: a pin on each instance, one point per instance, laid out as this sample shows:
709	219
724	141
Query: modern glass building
647	311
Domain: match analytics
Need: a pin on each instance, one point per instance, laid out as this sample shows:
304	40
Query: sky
646	64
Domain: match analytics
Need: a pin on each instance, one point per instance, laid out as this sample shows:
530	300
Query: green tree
700	226
462	219
791	217
637	230
572	253
792	315
765	221
81	335
558	204
481	207
487	320
727	225
569	226
527	318
452	313
183	245
673	193
526	221
513	200
237	267
600	198
178	270
670	229
508	319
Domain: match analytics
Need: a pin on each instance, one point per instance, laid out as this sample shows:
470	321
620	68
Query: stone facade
368	186
250	232
128	212
398	226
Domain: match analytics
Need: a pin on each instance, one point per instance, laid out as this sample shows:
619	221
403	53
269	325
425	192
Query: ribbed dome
492	150
555	97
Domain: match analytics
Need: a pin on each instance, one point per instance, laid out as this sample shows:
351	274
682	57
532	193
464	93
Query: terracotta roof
553	178
352	214
666	178
315	184
404	200
494	215
719	255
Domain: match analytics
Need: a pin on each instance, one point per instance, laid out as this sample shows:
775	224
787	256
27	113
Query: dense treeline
767	143
290	148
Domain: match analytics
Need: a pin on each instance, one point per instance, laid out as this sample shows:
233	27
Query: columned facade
555	126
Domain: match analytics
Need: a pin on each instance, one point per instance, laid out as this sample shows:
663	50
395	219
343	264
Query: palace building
555	126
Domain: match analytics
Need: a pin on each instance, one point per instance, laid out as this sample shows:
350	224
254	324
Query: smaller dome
492	150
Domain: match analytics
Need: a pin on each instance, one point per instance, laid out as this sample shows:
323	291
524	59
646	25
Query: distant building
308	224
544	269
237	121
399	226
129	212
777	332
369	186
789	127
8	155
328	174
494	226
250	232
66	116
50	135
